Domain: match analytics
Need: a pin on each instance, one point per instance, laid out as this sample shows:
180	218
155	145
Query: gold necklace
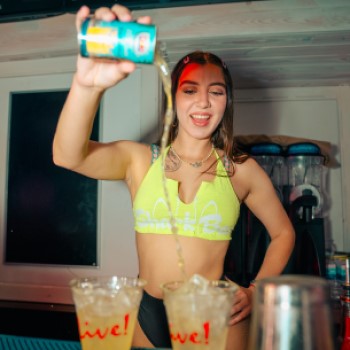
196	164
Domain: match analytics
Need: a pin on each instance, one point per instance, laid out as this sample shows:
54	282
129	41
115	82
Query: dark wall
35	322
51	212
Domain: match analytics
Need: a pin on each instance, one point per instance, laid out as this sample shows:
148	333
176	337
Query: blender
305	201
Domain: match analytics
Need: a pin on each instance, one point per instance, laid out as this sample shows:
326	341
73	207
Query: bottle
345	345
336	292
117	40
345	299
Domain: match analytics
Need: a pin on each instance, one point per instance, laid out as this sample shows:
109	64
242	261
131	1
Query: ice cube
197	284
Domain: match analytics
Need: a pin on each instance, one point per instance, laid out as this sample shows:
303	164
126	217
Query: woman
204	175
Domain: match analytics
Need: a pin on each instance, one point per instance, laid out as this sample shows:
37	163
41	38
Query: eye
217	93
189	91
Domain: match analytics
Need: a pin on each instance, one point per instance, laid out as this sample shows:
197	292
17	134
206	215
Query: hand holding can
102	71
117	40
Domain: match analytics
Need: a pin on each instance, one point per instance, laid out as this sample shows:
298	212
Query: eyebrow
191	82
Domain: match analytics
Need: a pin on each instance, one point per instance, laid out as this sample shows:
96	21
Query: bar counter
11	342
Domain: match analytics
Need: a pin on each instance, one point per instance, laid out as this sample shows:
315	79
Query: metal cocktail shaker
292	312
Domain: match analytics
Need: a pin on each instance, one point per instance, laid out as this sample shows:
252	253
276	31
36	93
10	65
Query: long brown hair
222	137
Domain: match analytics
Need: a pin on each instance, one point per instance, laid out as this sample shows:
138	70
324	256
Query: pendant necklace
196	164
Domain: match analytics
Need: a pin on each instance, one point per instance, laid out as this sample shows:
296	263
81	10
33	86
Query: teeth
197	116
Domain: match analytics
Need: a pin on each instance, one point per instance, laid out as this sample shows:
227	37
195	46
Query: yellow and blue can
118	40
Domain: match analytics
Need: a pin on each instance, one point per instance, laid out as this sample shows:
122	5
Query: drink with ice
106	310
198	312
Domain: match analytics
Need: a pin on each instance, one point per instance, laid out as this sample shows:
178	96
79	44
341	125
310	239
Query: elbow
62	156
61	160
57	160
57	156
290	240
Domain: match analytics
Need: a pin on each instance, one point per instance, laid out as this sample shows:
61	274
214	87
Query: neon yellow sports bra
212	215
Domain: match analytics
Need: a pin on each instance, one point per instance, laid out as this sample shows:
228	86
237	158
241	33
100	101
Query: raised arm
72	147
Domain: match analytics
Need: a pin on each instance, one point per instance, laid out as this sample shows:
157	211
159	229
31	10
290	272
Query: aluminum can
118	40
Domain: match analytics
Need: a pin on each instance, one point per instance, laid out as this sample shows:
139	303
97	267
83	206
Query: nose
203	100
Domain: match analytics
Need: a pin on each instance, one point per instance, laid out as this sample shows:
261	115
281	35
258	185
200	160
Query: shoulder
249	176
248	165
138	153
131	149
250	171
127	154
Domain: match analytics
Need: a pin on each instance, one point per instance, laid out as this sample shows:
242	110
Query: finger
240	299
144	20
105	14
235	320
122	13
237	301
238	317
236	309
127	66
82	14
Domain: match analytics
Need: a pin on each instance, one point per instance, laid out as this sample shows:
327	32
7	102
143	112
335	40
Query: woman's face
200	100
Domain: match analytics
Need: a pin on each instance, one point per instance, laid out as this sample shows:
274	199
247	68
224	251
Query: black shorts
153	321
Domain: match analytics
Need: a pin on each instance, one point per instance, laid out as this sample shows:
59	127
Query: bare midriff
158	259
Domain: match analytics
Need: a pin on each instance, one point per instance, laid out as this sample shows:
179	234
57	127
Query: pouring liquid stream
164	72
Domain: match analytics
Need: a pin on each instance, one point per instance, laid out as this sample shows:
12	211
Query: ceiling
278	43
22	10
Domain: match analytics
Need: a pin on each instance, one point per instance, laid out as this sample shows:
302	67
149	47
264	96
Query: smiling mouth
200	120
198	116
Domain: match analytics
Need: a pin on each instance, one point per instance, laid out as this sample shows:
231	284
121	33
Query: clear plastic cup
107	309
198	317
